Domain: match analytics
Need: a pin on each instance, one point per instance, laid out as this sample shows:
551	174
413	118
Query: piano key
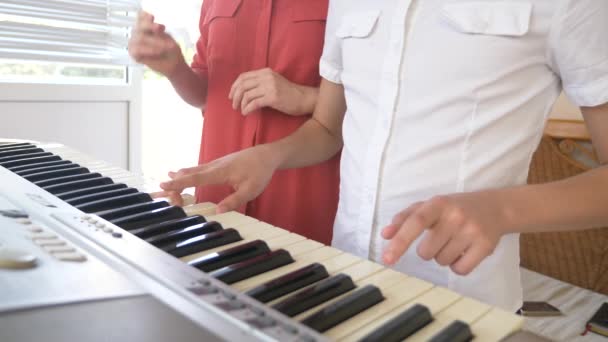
202	243
230	256
402	326
36	166
11	146
363	273
66	179
74	201
288	283
203	209
144	219
71	194
185	233
260	264
249	232
315	295
398	289
17	152
40	176
318	255
436	299
64	166
114	202
232	219
294	244
114	214
458	331
168	226
28	161
80	184
496	325
465	309
345	308
8	159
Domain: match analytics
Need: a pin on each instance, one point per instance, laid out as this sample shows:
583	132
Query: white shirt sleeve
330	66
578	50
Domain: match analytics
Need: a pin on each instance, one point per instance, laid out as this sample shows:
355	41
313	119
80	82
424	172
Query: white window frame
130	92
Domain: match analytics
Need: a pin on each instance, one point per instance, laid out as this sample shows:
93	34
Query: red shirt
287	36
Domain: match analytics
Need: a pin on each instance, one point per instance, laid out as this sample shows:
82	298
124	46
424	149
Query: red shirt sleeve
199	63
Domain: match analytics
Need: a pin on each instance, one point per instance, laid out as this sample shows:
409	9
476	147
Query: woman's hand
265	88
248	172
152	46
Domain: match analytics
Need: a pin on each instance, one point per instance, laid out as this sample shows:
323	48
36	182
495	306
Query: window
171	128
65	41
50	72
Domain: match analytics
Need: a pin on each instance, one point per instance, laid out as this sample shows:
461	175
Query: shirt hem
330	72
591	95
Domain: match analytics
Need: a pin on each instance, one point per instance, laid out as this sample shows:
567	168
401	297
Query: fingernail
389	258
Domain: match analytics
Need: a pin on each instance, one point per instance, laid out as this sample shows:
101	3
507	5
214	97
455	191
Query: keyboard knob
11	258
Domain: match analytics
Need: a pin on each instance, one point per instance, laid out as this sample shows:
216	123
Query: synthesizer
87	253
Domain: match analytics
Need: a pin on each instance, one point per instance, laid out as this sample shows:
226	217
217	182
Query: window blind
79	31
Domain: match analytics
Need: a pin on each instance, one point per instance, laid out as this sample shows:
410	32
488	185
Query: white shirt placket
389	98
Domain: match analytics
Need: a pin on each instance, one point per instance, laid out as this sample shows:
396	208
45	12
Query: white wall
103	121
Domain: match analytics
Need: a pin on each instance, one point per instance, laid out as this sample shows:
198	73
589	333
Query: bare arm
465	228
190	86
319	138
575	203
250	170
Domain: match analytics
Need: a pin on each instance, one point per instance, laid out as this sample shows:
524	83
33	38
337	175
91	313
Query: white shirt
448	96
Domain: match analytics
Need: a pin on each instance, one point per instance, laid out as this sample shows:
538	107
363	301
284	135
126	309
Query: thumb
233	201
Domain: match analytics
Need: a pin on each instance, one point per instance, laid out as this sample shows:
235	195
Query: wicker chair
579	258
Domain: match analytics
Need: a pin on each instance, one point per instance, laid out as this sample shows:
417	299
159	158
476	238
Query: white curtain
79	31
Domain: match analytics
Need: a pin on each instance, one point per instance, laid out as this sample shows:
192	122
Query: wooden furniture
579	258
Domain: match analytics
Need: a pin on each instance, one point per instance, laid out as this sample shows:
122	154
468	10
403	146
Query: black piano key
345	308
148	218
75	185
29	160
215	261
458	331
315	295
288	283
31	171
202	243
184	233
66	179
25	156
17	152
403	326
168	226
11	146
252	267
114	214
100	195
91	190
114	202
40	176
32	167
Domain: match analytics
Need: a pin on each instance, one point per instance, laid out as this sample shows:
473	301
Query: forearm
307	99
309	145
190	86
576	203
318	139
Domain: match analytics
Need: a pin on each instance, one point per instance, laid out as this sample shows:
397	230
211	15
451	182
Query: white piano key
436	299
